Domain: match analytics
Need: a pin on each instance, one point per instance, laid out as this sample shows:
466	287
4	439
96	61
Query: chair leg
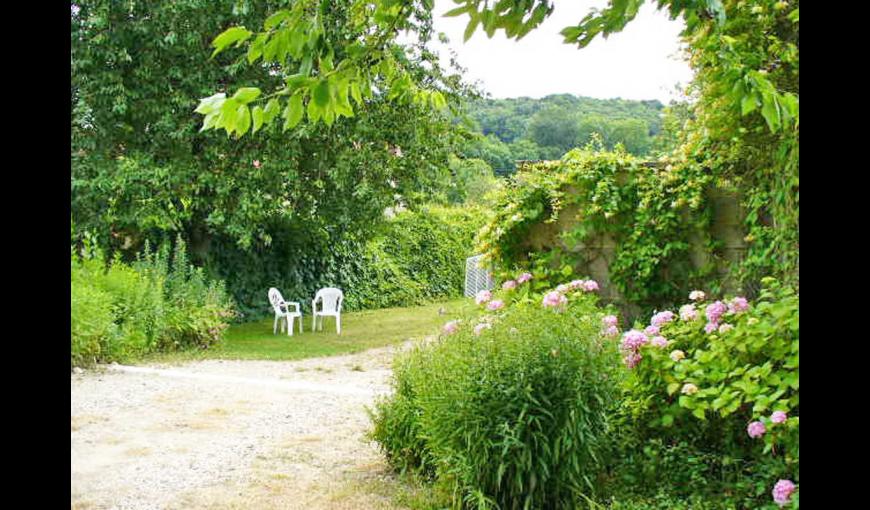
338	323
289	326
275	326
314	322
300	325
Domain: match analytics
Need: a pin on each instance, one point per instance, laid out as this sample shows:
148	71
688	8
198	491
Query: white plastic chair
282	311
330	305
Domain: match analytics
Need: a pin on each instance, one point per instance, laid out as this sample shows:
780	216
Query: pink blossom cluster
688	313
756	429
482	297
451	327
782	491
508	285
738	304
495	304
662	318
631	344
778	417
524	277
554	299
631	359
611	325
714	312
660	341
651	330
697	295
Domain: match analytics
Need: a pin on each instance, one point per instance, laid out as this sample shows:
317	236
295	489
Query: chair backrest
276	299
331	297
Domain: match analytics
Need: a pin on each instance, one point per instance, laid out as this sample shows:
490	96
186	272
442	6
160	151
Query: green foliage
693	440
474	179
649	213
122	311
512	418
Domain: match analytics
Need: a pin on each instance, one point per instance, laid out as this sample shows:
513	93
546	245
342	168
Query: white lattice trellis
476	278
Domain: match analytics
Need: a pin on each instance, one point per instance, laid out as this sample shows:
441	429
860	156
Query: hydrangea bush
721	378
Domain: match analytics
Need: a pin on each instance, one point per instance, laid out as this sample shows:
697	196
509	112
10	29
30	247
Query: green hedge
416	257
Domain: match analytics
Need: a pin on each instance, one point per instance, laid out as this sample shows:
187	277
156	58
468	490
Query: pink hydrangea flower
482	297
688	313
715	310
577	284
651	330
662	318
724	328
554	299
782	491
778	417
711	327
738	304
563	288
480	327
590	285
451	327
611	331
697	295
610	320
660	341
508	285
495	304
523	278
756	429
632	340
632	359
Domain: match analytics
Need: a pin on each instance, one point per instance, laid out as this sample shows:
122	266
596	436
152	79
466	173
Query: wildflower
523	278
738	304
688	313
451	327
715	310
778	417
697	295
482	297
677	355
508	285
257	163
689	389
756	429
554	299
724	328
651	330
632	359
660	341
662	318
480	327
611	331
632	340
495	304
590	285
782	491
610	320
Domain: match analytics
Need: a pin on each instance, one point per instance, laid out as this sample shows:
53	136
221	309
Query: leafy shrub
121	311
510	409
685	418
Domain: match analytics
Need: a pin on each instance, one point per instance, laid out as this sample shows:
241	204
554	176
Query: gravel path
229	434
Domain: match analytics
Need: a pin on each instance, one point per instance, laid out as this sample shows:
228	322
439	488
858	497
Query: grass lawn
359	331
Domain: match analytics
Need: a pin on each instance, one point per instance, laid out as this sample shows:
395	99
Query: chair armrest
294	303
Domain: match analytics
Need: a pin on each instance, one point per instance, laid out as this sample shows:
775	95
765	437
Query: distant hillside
546	128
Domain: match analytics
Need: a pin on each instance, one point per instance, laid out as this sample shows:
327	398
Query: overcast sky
642	62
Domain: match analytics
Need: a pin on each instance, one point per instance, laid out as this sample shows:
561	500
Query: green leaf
667	420
257	115
246	95
229	36
276	18
293	112
472	26
748	104
211	103
243	120
355	93
273	108
321	93
457	11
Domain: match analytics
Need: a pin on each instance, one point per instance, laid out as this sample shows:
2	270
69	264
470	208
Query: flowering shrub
510	409
730	391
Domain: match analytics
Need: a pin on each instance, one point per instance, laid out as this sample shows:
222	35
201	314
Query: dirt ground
230	434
